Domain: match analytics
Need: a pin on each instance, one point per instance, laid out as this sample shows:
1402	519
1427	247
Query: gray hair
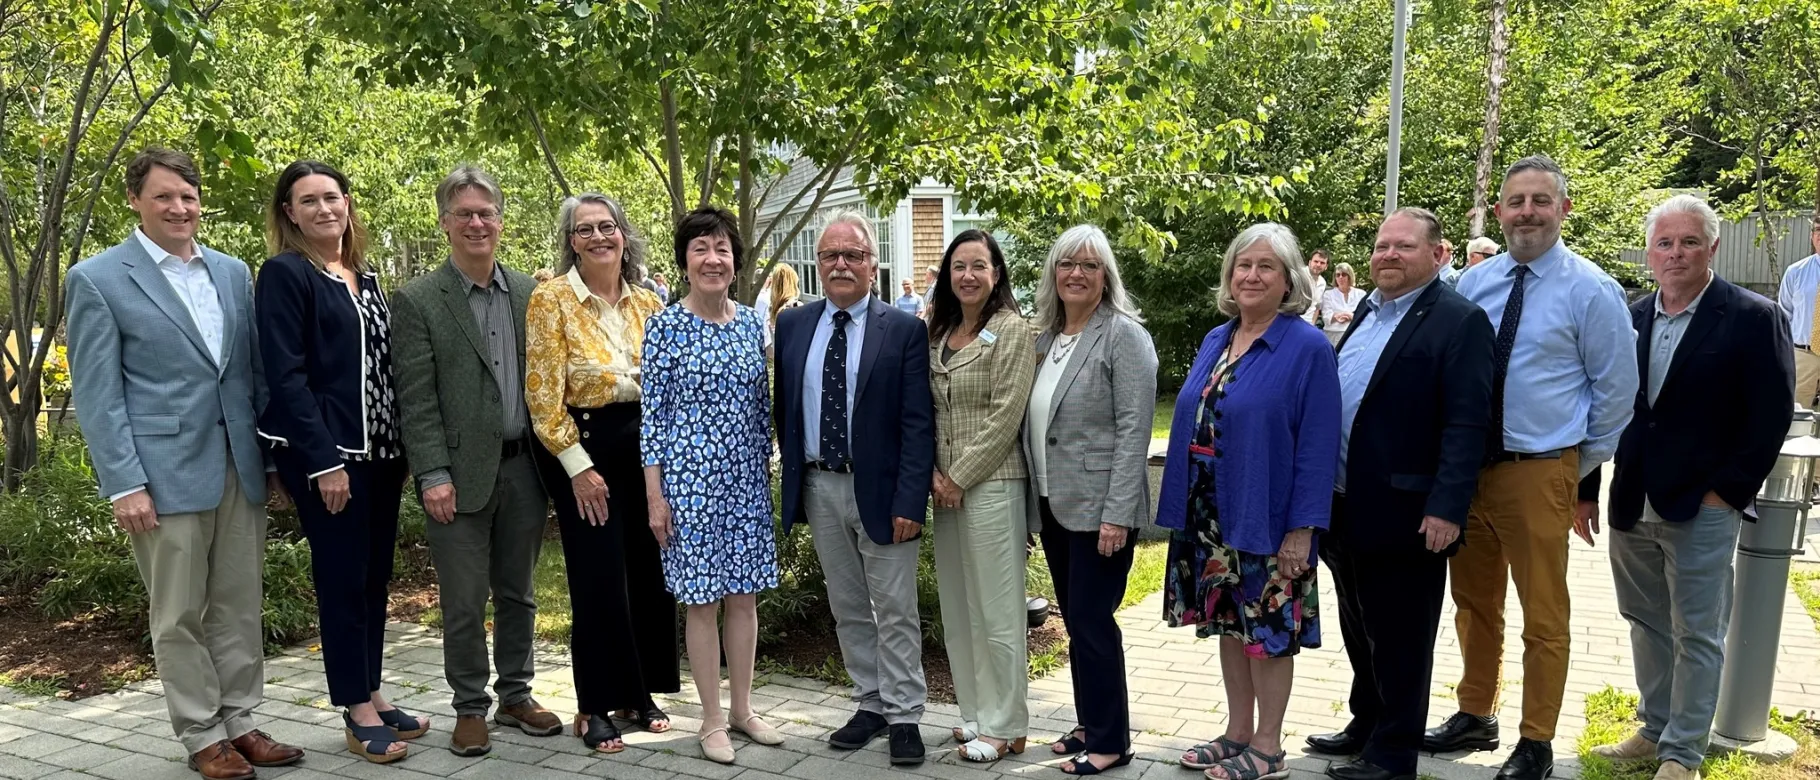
464	177
1684	204
1050	315
1345	268
1288	254
632	253
859	222
1543	163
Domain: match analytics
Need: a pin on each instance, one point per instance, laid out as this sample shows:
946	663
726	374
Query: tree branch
543	143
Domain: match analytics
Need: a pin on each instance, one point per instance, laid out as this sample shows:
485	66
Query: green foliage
1611	717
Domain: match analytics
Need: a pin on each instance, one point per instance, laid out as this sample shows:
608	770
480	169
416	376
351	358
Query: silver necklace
1060	352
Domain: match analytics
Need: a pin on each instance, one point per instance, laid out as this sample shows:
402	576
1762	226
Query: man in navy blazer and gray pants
856	423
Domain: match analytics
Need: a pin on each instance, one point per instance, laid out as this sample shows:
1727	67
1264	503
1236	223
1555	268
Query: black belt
514	448
844	468
1513	457
1804	348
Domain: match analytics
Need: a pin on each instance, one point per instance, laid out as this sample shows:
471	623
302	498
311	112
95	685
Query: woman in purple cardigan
1248	481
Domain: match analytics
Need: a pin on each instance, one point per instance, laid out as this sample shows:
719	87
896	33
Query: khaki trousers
1807	376
203	573
1518	528
979	566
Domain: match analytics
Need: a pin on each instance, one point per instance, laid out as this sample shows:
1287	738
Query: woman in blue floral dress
706	437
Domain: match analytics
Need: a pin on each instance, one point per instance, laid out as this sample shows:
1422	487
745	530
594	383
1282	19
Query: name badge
989	337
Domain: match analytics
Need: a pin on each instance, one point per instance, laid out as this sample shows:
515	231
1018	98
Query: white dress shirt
189	278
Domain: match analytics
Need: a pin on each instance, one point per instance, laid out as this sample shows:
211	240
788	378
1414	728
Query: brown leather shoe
470	737
260	749
221	761
530	718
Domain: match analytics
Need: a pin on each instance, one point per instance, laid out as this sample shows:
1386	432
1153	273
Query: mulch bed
80	657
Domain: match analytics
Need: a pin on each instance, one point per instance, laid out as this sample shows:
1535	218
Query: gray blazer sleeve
98	386
1134	366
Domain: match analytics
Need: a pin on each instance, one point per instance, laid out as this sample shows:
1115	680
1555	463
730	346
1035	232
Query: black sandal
373	743
1071	743
403	724
649	715
1081	765
599	731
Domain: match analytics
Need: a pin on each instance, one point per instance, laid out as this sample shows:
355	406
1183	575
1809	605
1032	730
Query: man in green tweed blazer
459	354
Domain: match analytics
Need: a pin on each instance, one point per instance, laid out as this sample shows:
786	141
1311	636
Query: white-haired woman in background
1339	302
1088	426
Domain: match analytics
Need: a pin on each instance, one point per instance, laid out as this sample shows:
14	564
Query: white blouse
1334	302
1042	400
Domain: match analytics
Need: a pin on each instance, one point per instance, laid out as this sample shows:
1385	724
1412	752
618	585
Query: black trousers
624	644
1390	608
351	566
1088	589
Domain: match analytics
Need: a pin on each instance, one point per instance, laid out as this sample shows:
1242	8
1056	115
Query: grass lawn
1807	586
1611	717
1159	421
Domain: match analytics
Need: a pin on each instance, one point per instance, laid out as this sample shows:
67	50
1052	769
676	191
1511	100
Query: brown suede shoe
260	749
530	718
470	737
221	761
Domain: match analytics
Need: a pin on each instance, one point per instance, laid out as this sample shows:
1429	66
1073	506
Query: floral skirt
1223	592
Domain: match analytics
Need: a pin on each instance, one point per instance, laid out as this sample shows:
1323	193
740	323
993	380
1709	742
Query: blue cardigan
1279	437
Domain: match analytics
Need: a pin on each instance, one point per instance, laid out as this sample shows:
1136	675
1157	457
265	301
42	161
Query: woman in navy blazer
1248	480
324	334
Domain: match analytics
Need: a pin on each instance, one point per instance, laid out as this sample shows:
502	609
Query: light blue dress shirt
1572	380
1359	359
1796	297
812	374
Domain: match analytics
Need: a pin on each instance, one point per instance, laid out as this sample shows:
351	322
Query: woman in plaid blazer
982	359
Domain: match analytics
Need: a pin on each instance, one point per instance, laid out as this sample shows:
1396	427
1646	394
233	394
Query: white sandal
719	755
968	731
763	736
980	751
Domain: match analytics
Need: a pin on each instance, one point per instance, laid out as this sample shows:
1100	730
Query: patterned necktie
834	396
1500	355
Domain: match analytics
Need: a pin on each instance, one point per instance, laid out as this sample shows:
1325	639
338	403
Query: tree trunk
21	444
1494	103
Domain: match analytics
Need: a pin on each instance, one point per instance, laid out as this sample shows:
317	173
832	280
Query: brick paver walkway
1175	687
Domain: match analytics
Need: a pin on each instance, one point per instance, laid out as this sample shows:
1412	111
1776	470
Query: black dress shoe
1341	743
861	729
1363	770
906	744
1462	732
1532	760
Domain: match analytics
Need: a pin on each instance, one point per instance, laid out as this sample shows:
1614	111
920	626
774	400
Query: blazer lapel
230	308
1413	319
1706	319
145	273
868	351
521	306
455	296
1090	338
1643	320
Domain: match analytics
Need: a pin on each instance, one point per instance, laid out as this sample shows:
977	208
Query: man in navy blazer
1718	382
1415	389
856	424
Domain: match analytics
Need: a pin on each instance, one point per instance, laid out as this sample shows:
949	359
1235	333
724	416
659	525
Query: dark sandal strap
650	715
1081	765
599	732
1220	749
1240	767
377	739
1072	743
399	719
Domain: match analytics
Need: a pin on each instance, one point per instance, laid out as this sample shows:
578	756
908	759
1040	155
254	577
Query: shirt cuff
124	493
433	478
575	460
337	467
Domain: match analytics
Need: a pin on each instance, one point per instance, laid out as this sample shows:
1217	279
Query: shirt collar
857	310
157	252
583	294
499	279
1693	305
1548	263
1408	298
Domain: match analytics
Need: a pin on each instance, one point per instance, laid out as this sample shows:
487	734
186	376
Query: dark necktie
1500	353
834	396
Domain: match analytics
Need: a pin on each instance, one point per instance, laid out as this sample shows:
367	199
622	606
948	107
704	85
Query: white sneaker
1636	748
1673	770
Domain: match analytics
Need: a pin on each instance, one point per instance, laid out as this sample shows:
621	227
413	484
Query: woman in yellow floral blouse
584	337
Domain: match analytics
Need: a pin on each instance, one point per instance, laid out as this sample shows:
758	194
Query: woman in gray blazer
1088	424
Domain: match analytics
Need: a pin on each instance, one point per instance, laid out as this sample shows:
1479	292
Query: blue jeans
1674	583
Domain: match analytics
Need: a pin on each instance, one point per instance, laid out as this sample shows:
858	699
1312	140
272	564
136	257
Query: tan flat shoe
763	735
719	755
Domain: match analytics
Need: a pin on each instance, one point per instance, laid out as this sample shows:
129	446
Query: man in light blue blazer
164	366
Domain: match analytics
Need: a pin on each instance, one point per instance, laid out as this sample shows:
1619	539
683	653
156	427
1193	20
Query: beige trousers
203	573
1807	377
979	566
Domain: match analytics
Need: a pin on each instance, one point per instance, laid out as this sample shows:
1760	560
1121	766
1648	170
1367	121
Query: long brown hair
945	307
283	235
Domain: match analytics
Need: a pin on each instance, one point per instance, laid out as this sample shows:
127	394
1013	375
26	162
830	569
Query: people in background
1698	447
1798	295
584	338
782	291
1087	439
1246	485
333	424
855	425
909	302
458	350
706	440
1564	377
1415	389
1317	266
1339	303
160	322
1478	251
981	363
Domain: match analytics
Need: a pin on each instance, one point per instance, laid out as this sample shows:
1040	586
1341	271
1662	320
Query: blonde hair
1050	315
1288	254
1345	268
783	287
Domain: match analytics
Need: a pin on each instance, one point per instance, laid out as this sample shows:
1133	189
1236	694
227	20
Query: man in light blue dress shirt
1563	383
1800	287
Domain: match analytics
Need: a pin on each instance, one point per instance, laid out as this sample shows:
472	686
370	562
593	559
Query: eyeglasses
850	256
485	215
1067	267
588	231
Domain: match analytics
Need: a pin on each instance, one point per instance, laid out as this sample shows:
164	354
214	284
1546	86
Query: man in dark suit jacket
1710	418
856	425
1415	382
